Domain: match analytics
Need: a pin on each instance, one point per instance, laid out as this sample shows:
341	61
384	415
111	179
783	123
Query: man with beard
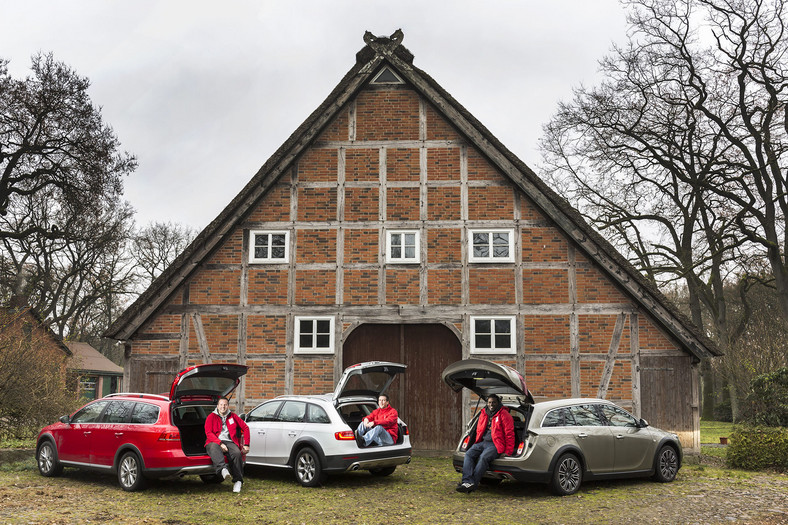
223	432
494	437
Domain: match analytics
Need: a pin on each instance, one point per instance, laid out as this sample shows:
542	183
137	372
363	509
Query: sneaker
225	474
466	487
359	439
237	486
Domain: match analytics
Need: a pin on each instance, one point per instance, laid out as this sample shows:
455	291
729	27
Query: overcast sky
203	92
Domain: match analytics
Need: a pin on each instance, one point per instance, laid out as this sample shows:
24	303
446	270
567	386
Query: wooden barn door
432	411
153	376
667	397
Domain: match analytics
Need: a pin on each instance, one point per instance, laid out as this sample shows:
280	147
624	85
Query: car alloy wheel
307	468
130	472
567	475
48	464
667	465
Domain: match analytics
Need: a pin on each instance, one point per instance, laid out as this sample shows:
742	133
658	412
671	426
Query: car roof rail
138	394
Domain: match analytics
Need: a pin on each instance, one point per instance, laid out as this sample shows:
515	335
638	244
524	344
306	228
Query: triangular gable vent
387	76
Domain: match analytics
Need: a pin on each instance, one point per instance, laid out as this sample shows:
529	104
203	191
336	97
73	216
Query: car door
74	441
593	437
111	432
280	440
261	421
634	446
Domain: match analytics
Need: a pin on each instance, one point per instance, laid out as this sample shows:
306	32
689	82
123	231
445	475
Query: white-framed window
269	246
491	246
314	335
493	335
402	246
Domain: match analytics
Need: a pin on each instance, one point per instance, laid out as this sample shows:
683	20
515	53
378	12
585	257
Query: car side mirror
65	419
642	423
243	416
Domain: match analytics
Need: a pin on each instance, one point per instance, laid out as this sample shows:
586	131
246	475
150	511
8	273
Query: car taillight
170	436
345	435
520	448
406	431
464	446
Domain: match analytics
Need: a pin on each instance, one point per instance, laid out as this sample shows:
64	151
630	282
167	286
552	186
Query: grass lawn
712	431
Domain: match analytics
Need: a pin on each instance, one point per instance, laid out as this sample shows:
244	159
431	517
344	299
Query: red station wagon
138	436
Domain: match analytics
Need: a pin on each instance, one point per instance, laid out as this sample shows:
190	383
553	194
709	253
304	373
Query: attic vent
386	76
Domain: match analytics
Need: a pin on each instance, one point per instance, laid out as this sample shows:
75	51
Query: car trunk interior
190	420
354	413
520	416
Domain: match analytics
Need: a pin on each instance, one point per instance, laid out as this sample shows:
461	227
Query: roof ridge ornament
382	44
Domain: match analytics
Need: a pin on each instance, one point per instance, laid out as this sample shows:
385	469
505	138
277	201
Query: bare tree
157	245
678	155
53	138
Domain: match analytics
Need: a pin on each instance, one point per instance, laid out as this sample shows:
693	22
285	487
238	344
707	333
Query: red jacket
387	418
213	427
502	430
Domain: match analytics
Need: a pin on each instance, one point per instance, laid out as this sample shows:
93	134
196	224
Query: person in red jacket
494	437
380	427
223	432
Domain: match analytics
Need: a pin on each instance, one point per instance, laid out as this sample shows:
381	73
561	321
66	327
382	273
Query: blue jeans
477	460
376	434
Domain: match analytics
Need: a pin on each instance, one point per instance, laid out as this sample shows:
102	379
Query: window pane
264	412
323	326
481	251
305	341
481	238
316	414
261	240
323	341
586	416
396	240
278	239
501	251
483	326
503	341
503	326
410	252
261	252
553	419
118	412
483	341
292	412
145	414
305	327
277	252
90	413
396	252
501	238
410	239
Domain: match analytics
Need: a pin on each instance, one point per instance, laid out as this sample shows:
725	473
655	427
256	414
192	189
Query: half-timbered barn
392	225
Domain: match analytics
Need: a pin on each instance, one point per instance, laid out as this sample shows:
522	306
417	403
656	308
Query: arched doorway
432	411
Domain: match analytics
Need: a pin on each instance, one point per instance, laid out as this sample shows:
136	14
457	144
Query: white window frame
403	260
512	349
298	349
490	258
269	259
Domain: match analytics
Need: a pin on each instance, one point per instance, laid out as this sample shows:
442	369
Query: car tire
567	475
308	470
667	465
383	471
211	478
130	472
46	457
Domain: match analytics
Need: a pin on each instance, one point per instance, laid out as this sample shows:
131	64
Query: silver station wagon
563	442
313	434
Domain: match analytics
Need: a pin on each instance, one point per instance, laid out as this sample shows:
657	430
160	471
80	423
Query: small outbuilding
393	225
94	374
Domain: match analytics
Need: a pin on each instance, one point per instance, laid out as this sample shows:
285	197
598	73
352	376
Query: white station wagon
313	434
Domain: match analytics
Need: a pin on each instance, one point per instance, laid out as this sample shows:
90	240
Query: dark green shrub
757	448
767	401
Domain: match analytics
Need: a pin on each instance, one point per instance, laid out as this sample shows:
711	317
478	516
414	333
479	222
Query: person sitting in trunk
380	427
494	438
223	432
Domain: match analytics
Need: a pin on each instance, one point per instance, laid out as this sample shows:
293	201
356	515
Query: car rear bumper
368	460
177	472
504	471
